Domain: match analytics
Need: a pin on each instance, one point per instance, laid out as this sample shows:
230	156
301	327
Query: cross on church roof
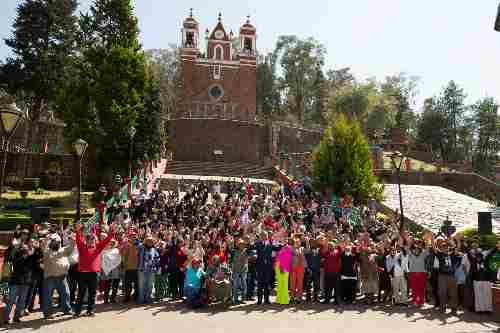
248	19
190	12
220	17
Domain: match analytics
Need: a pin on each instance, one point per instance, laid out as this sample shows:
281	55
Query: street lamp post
11	116
397	161
131	133
448	229
80	148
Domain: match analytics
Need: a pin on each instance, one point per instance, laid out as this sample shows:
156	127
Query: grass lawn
66	209
14	214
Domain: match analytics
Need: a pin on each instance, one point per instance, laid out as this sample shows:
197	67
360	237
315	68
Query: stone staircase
223	169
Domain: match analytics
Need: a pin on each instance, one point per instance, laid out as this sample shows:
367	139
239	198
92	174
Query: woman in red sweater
89	266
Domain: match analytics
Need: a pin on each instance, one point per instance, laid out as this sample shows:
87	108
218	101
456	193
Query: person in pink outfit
283	267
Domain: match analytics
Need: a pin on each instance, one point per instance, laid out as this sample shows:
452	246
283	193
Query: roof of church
190	18
248	25
219	26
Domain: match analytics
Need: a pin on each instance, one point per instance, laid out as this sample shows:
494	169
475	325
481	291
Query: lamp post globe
397	160
80	148
10	116
132	131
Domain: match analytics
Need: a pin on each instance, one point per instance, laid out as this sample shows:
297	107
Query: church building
216	112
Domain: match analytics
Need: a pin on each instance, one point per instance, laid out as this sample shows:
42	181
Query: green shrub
485	242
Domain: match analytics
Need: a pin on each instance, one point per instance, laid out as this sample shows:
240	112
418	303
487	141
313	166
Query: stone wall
297	140
56	172
467	183
197	139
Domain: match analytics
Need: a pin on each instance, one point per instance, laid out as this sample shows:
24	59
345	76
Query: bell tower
189	53
248	73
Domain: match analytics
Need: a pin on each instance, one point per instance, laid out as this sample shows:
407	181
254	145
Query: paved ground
272	318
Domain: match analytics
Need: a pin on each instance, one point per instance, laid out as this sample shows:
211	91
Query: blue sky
436	40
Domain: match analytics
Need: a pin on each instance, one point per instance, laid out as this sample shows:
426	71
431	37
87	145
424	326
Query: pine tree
343	162
42	39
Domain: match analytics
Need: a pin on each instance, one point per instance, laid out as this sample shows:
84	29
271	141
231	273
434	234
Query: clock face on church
219	34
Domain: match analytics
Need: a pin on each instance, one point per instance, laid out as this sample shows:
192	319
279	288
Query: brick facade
198	139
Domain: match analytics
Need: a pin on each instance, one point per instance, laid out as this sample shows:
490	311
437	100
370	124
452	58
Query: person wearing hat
111	271
89	266
149	261
193	283
56	266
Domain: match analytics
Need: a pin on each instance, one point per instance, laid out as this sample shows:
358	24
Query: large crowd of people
247	244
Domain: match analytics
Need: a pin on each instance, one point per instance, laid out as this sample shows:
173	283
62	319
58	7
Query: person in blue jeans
56	266
149	260
239	266
23	262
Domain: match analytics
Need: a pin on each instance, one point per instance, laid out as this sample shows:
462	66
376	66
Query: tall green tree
431	125
339	78
444	124
399	91
353	101
299	59
104	94
268	98
164	65
149	145
451	105
343	162
486	124
320	98
43	37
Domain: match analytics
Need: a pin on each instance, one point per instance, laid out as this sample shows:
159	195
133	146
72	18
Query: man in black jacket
23	262
264	266
35	287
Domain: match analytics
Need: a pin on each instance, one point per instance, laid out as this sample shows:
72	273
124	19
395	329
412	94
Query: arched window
218	52
248	44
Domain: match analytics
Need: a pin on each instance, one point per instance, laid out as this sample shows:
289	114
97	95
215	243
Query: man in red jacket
332	264
89	266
